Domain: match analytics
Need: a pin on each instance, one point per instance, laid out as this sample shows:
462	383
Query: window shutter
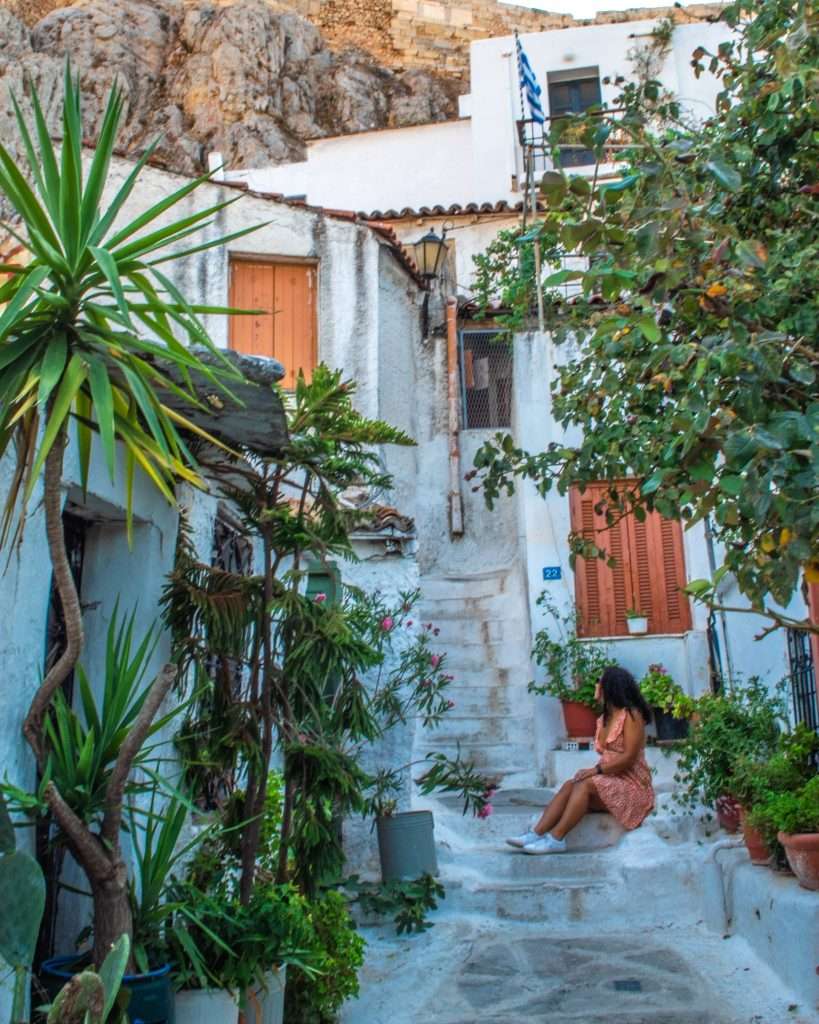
604	593
648	574
286	330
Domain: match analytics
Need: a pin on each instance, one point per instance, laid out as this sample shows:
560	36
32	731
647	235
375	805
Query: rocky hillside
245	79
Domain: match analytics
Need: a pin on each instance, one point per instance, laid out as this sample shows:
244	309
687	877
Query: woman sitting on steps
619	783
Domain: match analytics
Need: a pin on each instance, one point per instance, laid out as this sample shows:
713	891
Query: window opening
486	380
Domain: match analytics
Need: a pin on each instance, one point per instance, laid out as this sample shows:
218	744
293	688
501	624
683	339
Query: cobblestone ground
499	972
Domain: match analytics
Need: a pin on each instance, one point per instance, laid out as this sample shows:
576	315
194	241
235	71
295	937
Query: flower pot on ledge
580	719
758	849
802	851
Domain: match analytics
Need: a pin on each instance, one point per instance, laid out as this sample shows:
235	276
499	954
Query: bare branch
85	845
112	818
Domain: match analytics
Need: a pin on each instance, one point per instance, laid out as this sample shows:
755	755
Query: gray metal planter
406	845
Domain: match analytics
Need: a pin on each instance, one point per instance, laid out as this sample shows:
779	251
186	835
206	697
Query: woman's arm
634	731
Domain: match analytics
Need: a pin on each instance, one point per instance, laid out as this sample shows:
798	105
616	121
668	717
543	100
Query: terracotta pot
802	851
728	813
581	721
757	847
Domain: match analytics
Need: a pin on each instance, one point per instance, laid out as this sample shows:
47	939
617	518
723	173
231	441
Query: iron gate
803	678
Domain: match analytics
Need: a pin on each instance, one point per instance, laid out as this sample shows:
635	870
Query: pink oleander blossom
320	598
435	660
450	704
387	623
485	811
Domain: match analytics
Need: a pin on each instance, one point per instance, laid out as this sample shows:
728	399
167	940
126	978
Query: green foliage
573	666
22	897
791	812
660	691
95	998
505	278
408	901
316	999
742	722
82	748
218	941
92	328
694	372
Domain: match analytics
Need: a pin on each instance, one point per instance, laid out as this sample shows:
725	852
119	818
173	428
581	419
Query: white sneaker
525	840
545	844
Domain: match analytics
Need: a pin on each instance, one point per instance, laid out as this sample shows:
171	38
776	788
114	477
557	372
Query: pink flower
450	704
449	678
409	623
320	598
435	631
435	660
387	623
489	793
485	811
426	682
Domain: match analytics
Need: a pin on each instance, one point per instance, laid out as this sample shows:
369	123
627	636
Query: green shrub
741	722
339	953
660	691
792	812
573	666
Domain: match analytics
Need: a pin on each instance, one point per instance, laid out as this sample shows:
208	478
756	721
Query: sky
587	8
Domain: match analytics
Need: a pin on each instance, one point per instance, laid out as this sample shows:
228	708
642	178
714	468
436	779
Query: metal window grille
803	678
486	380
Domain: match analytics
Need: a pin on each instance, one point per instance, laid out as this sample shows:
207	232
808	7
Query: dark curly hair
621	691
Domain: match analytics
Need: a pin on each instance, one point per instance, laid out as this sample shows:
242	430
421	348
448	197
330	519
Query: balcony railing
537	152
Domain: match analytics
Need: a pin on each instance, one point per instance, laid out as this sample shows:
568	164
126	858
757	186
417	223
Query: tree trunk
69	599
112	912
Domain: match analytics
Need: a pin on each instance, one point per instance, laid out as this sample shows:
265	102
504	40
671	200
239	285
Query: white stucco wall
368	326
475	159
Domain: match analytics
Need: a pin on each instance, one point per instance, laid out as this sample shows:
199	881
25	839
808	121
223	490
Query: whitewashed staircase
484	632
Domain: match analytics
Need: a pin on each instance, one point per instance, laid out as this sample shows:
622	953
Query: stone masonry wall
412	34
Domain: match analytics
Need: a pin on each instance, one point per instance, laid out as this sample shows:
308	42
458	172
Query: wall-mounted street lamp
430	253
430	257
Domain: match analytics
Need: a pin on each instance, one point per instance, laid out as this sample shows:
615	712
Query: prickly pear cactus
80	1001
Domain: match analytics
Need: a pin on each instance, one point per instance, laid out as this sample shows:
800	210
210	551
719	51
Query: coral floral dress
628	796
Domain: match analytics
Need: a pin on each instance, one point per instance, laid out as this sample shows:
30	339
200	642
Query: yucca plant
94	333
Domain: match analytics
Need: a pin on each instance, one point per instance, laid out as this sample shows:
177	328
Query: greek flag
528	85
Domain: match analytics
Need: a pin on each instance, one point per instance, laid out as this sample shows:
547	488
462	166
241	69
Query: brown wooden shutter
648	573
286	293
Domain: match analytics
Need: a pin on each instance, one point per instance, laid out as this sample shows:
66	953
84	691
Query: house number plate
552	572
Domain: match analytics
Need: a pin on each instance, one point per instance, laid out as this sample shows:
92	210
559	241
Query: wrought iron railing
803	678
533	137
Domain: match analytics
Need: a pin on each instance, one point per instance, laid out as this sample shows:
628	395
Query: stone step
489	701
535	901
492	759
475	630
479	585
480	657
517	730
504	680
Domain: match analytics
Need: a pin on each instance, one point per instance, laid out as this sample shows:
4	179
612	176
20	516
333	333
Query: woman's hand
585	773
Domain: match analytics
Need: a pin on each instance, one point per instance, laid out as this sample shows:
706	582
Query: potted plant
796	815
742	721
672	707
573	668
771	793
636	621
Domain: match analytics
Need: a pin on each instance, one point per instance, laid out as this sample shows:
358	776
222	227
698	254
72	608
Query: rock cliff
245	79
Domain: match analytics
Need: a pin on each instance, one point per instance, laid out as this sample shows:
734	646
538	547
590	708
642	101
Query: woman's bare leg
582	798
554	812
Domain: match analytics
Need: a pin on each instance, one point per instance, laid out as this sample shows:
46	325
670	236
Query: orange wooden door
285	327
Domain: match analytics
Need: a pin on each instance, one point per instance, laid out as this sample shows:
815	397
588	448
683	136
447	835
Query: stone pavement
466	970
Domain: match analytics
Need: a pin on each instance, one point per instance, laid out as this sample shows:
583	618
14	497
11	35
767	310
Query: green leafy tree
93	333
696	319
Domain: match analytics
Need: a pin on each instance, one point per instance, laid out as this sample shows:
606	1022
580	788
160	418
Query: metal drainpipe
456	509
712	565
